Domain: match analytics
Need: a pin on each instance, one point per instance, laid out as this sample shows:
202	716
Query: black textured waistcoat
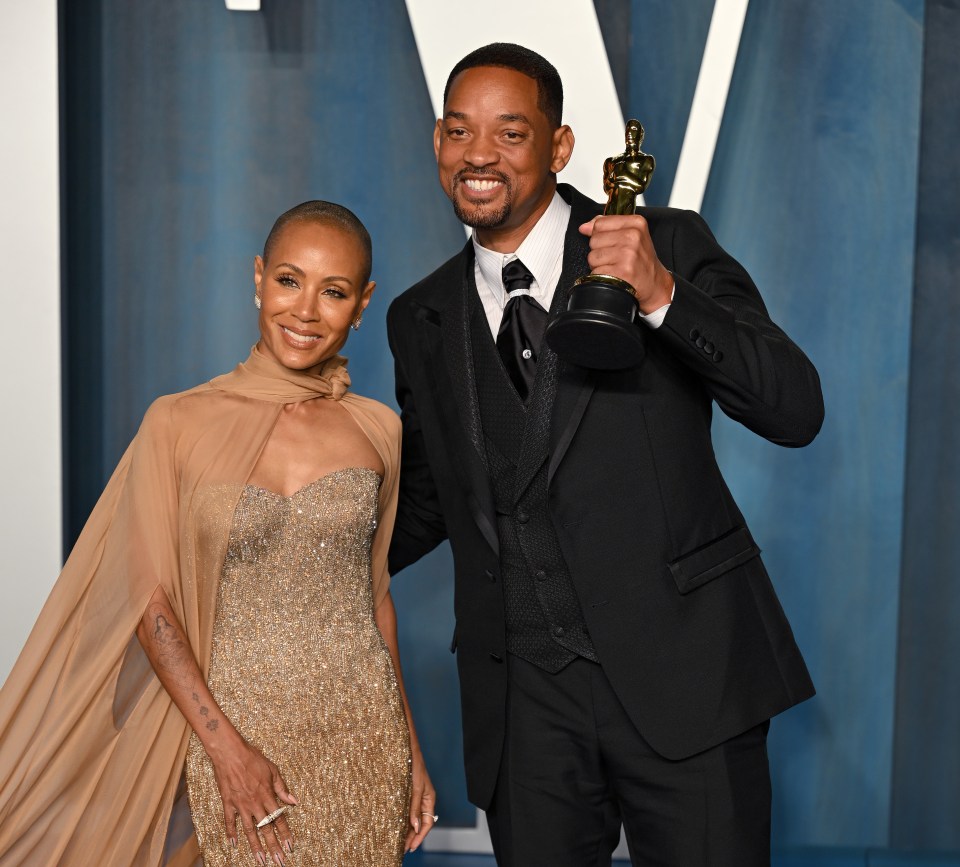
544	621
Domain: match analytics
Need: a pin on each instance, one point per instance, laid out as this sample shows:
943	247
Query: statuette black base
599	328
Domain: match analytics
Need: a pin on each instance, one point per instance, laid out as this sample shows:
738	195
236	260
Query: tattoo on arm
175	660
172	654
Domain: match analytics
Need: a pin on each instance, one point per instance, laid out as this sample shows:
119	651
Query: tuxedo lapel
574	386
458	356
561	391
445	332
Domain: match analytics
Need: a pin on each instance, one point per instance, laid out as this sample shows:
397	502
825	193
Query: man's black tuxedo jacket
683	617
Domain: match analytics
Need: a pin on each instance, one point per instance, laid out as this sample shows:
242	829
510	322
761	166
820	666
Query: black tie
521	330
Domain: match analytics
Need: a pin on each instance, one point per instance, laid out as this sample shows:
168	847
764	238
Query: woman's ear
365	295
257	273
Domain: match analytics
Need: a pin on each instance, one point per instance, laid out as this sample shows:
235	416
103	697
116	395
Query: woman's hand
250	786
423	803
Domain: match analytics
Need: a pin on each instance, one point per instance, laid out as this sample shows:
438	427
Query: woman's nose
307	306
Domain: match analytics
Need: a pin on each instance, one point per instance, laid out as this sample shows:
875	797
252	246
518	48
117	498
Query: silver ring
272	817
433	816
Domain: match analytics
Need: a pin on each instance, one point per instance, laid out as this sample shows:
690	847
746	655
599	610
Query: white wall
30	517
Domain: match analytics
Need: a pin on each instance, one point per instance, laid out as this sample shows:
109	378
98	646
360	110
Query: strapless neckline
310	485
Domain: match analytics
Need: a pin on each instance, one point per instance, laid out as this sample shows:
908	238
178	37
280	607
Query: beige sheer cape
91	746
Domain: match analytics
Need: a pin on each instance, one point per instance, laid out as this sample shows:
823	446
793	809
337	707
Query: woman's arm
423	799
250	785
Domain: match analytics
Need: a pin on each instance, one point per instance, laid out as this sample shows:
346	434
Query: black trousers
575	767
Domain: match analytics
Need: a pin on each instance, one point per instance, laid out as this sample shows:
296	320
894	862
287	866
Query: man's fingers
587	228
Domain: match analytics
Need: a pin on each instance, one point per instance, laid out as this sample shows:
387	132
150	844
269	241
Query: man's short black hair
510	56
318	211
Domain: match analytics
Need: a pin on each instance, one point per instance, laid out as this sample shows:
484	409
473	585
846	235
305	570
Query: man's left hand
621	247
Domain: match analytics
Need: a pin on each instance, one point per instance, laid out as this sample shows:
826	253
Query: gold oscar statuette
599	328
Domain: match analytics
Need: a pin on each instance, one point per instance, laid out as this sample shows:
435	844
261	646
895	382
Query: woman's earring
256	301
356	323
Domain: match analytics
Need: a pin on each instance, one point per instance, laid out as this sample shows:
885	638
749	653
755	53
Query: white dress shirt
542	253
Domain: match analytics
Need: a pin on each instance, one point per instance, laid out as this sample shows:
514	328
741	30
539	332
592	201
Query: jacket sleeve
419	525
718	326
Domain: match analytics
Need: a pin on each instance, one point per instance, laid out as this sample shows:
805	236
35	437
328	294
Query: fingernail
416	825
288	845
278	858
261	860
233	842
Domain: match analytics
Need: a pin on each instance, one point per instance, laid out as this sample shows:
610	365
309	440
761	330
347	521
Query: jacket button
490	575
700	341
523	517
718	356
708	348
694	334
496	657
541	575
558	631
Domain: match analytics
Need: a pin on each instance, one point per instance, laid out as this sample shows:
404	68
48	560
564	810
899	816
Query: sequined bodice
306	559
300	668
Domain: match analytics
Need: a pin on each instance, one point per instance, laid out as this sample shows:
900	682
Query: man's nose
480	152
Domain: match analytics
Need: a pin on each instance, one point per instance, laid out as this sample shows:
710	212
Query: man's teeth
481	186
301	338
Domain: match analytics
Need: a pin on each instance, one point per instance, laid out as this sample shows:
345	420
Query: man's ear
563	142
437	130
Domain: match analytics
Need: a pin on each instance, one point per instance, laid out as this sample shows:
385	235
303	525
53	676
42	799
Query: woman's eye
287	280
334	292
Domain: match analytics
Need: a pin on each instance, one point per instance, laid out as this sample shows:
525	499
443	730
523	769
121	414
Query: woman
226	613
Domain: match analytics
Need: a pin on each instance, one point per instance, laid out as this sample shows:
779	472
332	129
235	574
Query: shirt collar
541	251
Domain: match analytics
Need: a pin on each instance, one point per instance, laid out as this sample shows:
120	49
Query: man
619	644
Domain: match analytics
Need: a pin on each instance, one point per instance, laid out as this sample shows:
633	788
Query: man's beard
478	216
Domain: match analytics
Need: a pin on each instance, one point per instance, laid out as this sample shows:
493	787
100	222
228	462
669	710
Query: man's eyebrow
515	118
505	118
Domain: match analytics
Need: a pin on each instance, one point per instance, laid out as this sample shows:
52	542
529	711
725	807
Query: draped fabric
91	745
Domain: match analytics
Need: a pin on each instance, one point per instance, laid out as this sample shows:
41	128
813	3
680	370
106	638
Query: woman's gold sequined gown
301	670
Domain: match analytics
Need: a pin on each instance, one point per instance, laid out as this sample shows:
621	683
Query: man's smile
481	186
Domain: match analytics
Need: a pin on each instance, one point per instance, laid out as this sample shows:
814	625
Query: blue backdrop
188	128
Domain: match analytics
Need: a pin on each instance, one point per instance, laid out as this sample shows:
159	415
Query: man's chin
480	217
